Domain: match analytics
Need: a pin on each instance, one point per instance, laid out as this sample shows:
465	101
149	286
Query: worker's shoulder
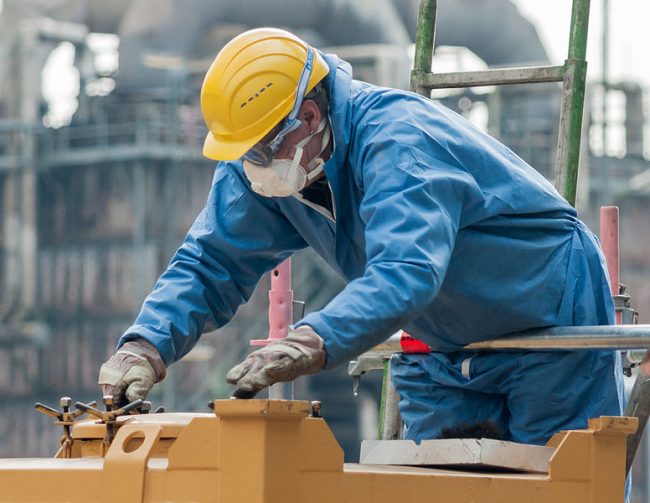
229	173
371	105
369	95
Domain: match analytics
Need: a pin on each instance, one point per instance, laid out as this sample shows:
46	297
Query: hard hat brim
226	151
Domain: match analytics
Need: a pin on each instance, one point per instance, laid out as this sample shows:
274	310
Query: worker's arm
412	206
237	238
411	214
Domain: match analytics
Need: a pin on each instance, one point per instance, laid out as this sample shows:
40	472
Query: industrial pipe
609	242
638	406
562	338
550	339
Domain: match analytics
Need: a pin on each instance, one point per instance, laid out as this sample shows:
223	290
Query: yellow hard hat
252	85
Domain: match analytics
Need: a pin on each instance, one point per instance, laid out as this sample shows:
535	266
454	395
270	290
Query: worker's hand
299	353
131	372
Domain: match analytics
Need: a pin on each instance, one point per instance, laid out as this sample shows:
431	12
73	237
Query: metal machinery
277	451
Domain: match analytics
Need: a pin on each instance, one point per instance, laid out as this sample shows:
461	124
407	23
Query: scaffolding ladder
572	74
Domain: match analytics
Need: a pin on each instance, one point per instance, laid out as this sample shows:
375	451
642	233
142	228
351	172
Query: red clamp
410	344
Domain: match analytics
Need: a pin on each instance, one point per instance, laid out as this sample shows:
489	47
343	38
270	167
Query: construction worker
437	227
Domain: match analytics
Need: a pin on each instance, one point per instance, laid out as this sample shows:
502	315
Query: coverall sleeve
411	210
235	239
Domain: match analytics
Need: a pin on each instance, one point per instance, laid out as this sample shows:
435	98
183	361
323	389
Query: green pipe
576	65
424	39
384	395
579	29
572	159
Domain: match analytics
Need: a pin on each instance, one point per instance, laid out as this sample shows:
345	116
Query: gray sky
629	36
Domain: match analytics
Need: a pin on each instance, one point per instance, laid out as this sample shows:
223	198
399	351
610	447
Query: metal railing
141	131
615	337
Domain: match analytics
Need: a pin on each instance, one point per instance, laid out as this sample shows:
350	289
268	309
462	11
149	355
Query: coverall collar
338	83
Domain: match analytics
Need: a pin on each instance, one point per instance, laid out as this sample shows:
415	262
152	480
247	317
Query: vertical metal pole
389	420
638	406
605	83
280	301
280	317
639	402
29	115
609	242
424	40
573	96
169	389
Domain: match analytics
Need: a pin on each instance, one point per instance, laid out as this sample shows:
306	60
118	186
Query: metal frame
615	337
572	74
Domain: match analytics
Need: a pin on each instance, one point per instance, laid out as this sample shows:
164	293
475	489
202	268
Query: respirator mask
285	177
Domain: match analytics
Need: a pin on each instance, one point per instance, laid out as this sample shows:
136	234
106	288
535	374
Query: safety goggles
262	154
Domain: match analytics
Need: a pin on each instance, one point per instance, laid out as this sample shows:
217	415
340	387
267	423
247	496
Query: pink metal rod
280	303
610	244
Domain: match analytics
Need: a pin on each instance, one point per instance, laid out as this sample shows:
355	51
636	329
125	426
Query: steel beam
494	77
549	339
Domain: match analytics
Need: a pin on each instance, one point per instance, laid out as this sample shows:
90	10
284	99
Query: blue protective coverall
440	230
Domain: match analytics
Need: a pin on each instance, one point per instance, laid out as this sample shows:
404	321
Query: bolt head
65	401
107	399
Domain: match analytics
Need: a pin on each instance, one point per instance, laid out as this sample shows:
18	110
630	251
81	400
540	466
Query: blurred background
101	172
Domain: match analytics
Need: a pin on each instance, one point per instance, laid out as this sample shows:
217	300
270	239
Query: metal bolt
315	409
108	402
145	408
65	402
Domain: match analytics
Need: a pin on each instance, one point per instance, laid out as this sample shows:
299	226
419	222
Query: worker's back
508	250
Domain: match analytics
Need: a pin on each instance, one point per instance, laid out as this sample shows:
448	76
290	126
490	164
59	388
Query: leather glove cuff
144	349
303	341
301	352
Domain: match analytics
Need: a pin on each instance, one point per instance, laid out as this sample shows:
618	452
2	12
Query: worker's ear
310	114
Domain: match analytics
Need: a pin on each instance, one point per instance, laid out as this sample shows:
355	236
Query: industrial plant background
96	197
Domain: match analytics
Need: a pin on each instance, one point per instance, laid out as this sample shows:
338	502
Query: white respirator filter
285	177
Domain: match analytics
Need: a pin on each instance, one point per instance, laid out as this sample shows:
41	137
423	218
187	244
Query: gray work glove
131	372
299	353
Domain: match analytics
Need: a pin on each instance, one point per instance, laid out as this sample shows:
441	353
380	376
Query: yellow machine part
271	451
